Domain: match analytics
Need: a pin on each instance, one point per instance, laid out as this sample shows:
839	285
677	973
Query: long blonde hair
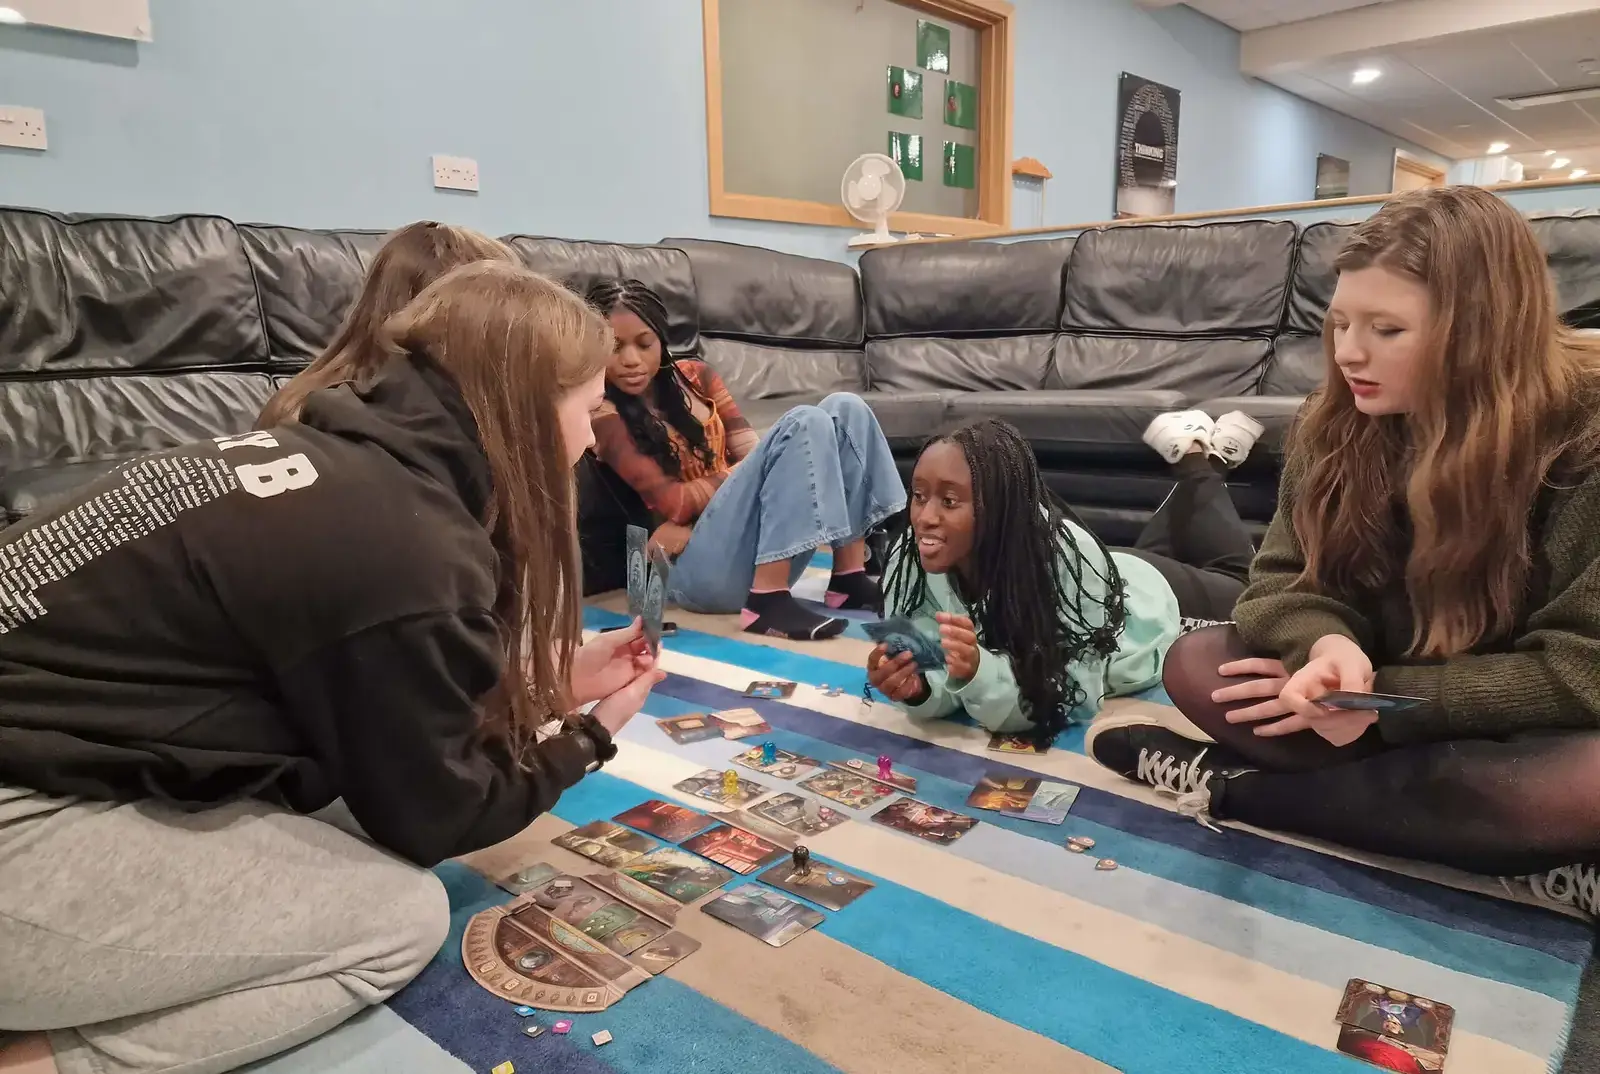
411	258
515	343
1506	391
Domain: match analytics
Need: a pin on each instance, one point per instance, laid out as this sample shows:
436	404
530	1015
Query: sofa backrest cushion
580	264
308	282
1572	249
763	296
1297	367
959	289
1198	368
1314	278
977	365
104	293
1224	279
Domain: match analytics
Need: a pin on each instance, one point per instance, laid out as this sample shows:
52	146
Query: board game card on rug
898	780
1413	1020
529	877
677	873
670	821
771	689
1012	744
606	842
743	852
660	955
790	811
857	792
608	919
771	918
740	723
710	785
1003	792
924	821
629	938
1050	804
1387	1053
695	727
785	765
824	884
758	826
635	894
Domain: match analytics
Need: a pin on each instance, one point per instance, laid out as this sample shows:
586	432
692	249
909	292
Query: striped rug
1202	954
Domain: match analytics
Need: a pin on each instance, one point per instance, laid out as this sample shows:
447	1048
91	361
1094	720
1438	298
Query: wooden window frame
994	21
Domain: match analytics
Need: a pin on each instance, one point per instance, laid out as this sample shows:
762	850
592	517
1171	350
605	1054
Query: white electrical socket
455	173
23	128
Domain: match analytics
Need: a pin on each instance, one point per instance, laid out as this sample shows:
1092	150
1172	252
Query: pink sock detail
746	617
852	570
834	599
760	592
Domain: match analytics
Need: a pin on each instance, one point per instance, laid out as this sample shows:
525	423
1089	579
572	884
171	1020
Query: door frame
1428	173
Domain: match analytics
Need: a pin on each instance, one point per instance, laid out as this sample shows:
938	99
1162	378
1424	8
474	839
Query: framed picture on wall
1147	148
1333	177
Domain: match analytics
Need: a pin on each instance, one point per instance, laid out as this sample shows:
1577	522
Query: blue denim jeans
821	476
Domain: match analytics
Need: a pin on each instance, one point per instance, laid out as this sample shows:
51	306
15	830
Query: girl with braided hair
1038	620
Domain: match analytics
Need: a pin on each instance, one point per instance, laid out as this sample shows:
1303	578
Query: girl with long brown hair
1437	537
375	605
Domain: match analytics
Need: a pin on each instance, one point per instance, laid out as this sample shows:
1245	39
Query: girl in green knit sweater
1437	536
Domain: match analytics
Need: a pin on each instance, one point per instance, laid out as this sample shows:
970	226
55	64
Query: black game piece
802	861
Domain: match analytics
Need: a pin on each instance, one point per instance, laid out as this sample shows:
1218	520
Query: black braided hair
1012	585
648	424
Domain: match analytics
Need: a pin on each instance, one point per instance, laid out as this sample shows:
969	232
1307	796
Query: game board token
1076	848
769	753
1080	842
602	1037
730	783
1105	865
524	1011
532	1030
885	766
559	888
504	1068
564	1026
811	812
802	860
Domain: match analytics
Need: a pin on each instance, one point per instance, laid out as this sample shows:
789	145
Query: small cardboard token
564	1026
602	1037
524	1011
532	1030
504	1068
1082	842
1105	865
1076	848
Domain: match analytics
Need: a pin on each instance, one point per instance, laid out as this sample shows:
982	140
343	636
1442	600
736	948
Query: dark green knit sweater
1546	676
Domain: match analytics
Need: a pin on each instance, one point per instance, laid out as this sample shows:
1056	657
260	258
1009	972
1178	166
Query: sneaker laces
1570	885
1187	783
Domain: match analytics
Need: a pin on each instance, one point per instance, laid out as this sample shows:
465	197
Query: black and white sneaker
1190	773
1570	889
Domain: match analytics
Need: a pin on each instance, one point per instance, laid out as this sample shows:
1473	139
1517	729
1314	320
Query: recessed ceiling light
1364	75
11	16
1550	153
1560	162
1577	173
1498	147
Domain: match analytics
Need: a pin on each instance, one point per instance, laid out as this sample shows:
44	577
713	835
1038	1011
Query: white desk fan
873	187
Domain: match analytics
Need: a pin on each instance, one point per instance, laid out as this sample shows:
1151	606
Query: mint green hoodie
990	696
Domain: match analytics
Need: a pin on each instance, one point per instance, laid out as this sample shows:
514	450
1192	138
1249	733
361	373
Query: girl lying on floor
741	514
1438	536
1039	622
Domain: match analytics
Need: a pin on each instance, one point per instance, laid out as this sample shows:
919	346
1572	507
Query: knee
418	912
846	405
1189	673
807	421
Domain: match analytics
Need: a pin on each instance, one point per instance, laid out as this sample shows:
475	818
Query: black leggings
1507	807
1198	542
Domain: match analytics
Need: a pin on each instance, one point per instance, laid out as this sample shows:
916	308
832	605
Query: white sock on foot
1233	435
1174	435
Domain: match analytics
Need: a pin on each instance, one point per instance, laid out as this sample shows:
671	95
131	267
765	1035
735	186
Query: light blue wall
587	117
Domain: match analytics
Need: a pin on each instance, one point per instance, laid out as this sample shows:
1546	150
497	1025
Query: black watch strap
599	738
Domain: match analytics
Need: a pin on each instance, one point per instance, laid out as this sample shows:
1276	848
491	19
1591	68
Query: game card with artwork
821	883
794	813
529	877
638	570
785	765
695	727
1386	1053
670	821
606	842
1003	792
709	784
743	852
924	821
1050	803
849	789
1012	744
661	954
1415	1021
772	918
740	723
677	873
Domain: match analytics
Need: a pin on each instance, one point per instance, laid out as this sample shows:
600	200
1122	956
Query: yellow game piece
504	1068
730	783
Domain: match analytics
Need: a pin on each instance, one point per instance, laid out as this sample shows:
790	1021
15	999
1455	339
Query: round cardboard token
1081	841
1105	865
1075	848
837	879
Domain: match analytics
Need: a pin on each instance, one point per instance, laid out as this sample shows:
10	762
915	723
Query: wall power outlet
455	173
24	128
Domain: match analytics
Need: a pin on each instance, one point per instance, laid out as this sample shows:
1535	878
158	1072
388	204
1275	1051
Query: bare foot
27	1055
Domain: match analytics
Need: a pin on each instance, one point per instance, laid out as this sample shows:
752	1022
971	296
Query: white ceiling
1437	89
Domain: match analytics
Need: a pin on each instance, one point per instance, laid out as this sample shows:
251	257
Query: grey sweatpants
150	940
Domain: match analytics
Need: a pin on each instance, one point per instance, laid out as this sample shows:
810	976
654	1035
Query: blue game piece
525	1011
769	753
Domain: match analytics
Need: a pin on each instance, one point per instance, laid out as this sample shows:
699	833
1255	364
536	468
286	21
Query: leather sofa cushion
1314	278
1073	424
1275	412
1194	279
1572	249
579	264
754	371
83	293
957	289
1298	366
911	364
763	296
22	492
908	419
308	281
1191	367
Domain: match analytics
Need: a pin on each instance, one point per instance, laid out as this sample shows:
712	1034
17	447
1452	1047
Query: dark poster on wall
1147	147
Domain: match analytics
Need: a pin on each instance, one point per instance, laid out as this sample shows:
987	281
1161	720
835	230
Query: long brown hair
515	343
1507	392
412	258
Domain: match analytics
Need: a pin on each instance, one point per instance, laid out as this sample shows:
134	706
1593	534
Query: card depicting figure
1387	1053
660	955
695	727
655	596
771	918
740	723
606	842
677	873
1013	744
759	826
791	811
898	634
821	883
785	765
924	821
743	852
710	785
1050	804
627	939
898	780
857	792
670	821
1413	1020
638	570
1003	792
771	689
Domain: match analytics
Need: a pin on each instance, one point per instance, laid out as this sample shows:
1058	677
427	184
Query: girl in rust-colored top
741	514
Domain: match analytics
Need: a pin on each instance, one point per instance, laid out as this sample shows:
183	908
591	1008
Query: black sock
778	613
854	589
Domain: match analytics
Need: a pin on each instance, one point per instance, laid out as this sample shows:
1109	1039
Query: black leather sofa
123	335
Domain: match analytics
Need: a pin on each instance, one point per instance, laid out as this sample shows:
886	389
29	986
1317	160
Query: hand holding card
899	634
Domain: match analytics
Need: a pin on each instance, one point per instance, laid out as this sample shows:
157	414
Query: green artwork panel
933	46
905	93
906	151
960	104
960	166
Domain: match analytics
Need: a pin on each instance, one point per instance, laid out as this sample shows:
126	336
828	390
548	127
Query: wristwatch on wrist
599	741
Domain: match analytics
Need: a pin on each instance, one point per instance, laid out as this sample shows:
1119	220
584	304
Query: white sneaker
1233	435
1574	886
1174	435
